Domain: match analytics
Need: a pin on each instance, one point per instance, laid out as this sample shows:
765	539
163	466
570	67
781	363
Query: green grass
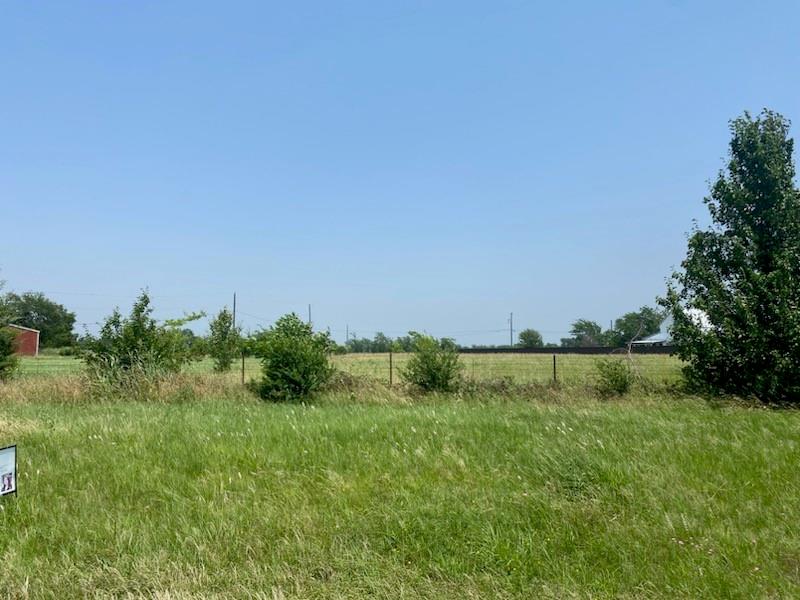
433	498
522	368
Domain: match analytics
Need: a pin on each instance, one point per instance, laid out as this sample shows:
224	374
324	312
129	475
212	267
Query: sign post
8	470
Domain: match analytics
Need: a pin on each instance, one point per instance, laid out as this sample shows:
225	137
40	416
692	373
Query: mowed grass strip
435	500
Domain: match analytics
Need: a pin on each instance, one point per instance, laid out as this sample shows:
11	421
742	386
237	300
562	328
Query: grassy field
522	368
431	499
375	492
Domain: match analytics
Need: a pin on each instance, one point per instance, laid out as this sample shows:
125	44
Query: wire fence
519	368
387	368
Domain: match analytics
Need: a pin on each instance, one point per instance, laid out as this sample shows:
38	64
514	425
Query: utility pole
309	314
511	330
234	310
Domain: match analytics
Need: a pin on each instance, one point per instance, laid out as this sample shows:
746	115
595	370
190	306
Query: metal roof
23	328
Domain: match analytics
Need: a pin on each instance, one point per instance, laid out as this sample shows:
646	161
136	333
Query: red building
27	340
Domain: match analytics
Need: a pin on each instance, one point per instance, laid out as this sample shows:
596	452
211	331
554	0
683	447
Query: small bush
224	342
434	365
132	352
294	360
614	376
8	357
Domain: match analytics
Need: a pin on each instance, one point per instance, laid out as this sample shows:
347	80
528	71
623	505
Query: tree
634	326
381	343
35	310
530	338
743	272
224	341
138	341
584	333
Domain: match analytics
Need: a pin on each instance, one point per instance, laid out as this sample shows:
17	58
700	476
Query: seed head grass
367	491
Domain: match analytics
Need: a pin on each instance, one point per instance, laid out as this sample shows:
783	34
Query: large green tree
37	311
743	272
584	333
530	338
634	326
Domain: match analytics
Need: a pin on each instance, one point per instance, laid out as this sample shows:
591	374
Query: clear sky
398	165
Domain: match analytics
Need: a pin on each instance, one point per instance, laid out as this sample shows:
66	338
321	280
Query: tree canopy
584	333
33	309
743	272
530	338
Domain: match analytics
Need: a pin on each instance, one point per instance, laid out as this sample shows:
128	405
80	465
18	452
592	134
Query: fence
520	367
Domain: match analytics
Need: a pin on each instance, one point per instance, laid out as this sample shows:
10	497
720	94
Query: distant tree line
56	324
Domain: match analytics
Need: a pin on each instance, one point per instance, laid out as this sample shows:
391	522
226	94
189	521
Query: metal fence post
555	371
390	368
242	367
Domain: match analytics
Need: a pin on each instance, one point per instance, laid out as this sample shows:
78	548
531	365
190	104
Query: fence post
555	371
390	368
242	367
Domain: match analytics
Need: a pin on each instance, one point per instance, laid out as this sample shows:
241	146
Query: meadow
376	492
571	369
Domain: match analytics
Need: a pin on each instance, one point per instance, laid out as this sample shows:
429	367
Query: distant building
27	340
664	335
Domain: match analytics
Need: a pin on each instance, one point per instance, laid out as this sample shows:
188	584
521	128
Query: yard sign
8	470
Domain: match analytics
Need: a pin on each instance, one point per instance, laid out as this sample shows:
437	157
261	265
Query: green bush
224	341
294	360
434	365
8	357
138	344
614	376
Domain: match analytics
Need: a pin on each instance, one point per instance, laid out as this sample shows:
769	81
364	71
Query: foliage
404	343
8	357
52	320
530	338
380	343
139	343
224	341
743	272
614	376
294	360
434	365
584	333
634	326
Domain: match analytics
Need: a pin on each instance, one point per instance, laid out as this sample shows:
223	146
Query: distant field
522	368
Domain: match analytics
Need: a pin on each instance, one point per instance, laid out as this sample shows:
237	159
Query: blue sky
407	165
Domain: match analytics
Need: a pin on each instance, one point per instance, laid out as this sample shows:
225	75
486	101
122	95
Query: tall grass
374	492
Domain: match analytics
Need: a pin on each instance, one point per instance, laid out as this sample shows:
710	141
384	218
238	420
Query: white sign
8	470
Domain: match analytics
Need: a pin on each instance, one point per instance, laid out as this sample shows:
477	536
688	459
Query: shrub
614	376
434	365
137	344
294	360
8	357
224	342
